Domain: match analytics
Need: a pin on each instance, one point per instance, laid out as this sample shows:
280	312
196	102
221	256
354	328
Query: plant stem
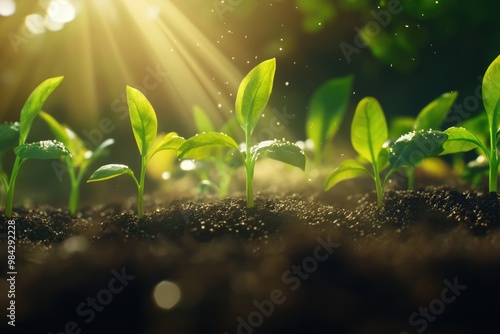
410	172
249	165
9	197
378	185
140	189
493	172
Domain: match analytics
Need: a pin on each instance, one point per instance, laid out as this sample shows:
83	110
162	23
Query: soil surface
427	261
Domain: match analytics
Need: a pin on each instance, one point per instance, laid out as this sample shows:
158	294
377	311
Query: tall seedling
47	149
80	159
251	100
368	136
145	129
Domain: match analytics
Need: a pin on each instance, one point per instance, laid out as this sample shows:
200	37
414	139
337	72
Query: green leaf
280	150
491	92
44	150
253	94
460	140
34	104
171	141
349	169
66	136
201	120
143	120
369	129
433	115
9	136
206	145
110	171
326	111
410	149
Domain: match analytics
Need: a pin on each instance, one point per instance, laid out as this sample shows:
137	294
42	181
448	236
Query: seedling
431	117
369	133
80	159
10	133
251	100
145	129
463	140
326	111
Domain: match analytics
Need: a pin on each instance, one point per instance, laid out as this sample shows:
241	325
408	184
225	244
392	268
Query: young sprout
368	137
251	100
81	158
47	149
145	129
326	111
431	117
463	140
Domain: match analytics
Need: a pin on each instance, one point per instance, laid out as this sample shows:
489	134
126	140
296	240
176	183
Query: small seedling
145	129
326	111
47	149
251	100
80	159
431	117
463	140
369	135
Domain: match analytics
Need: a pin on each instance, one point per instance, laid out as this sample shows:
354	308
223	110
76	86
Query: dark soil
426	261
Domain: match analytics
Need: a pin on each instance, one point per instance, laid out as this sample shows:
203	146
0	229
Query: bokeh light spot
166	295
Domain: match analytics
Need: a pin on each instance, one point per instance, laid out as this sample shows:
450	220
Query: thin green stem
249	165
9	199
493	172
378	185
140	189
410	173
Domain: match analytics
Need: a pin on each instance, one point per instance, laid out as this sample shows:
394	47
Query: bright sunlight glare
7	7
106	45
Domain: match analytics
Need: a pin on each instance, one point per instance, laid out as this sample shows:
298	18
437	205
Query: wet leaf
44	150
410	149
280	150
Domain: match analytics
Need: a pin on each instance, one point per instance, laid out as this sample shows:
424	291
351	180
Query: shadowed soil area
427	260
